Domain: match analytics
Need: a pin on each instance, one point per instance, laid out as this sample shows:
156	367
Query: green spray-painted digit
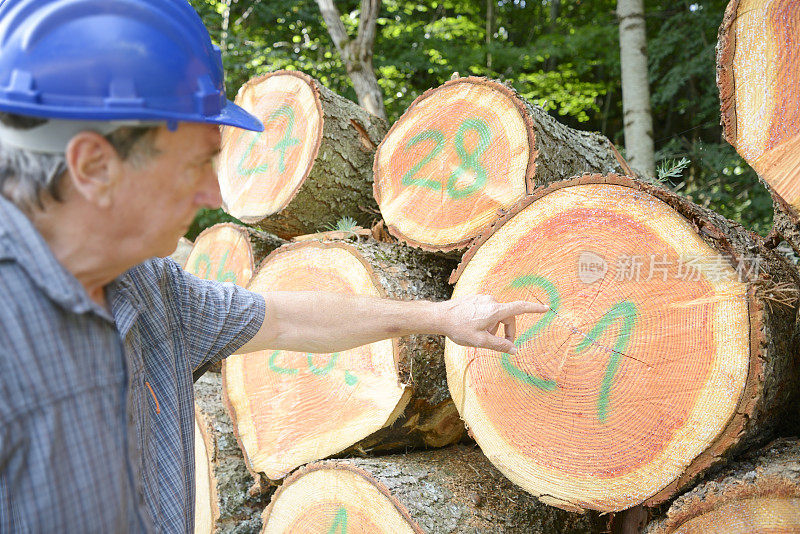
225	276
339	522
470	161
206	260
554	302
277	368
287	141
324	370
627	311
264	167
409	179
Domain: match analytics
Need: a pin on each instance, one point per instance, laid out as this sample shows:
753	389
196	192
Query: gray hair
27	176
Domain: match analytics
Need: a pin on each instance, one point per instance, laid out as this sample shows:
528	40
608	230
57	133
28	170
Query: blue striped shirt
97	411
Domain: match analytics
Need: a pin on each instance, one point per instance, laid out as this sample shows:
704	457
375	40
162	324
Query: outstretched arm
310	321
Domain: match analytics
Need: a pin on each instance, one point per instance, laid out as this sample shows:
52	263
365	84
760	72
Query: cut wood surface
668	343
466	149
757	495
229	252
758	73
292	408
310	167
222	499
182	250
439	492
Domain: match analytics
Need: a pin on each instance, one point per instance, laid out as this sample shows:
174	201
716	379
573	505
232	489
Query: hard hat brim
233	115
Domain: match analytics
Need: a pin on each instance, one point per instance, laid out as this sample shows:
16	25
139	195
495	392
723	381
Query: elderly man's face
157	199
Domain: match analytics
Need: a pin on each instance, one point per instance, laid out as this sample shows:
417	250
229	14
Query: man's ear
94	167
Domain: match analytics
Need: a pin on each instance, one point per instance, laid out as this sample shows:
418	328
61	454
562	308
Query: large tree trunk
668	344
635	86
310	167
467	149
292	408
357	53
758	73
760	493
442	492
222	499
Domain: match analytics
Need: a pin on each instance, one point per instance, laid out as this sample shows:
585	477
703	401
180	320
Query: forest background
561	54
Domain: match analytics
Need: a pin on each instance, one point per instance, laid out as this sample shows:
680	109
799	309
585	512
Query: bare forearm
310	321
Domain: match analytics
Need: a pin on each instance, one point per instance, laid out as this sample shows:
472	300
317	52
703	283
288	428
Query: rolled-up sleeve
218	318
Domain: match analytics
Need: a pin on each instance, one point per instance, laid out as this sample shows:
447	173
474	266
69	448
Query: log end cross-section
758	73
260	172
223	253
291	408
650	363
459	153
756	495
444	491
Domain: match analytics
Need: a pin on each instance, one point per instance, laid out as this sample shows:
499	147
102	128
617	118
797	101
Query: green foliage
568	64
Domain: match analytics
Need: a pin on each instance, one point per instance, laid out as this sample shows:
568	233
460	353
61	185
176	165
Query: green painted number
624	310
349	378
554	303
339	522
277	368
287	141
282	146
470	161
221	276
627	312
409	179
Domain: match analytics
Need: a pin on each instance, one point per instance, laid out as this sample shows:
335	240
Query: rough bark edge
530	172
209	441
262	482
344	466
312	83
726	81
712	493
752	394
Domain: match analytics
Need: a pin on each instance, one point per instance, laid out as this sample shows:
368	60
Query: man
110	112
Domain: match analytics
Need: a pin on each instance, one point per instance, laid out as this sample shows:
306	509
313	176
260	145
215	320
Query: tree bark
669	345
223	502
758	79
467	149
385	396
310	168
445	491
635	86
357	53
760	493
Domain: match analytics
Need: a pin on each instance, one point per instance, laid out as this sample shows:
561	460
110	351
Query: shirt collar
22	243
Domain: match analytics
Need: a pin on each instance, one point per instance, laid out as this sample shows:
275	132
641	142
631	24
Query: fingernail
512	350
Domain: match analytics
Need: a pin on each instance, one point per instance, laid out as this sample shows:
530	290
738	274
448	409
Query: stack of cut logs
643	400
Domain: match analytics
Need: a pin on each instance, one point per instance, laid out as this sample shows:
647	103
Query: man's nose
210	196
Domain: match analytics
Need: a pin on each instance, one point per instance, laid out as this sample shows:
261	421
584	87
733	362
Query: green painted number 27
626	311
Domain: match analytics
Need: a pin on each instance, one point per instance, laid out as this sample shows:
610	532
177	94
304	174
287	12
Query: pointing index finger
519	307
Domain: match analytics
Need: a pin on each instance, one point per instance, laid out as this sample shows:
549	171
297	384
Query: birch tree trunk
635	87
357	53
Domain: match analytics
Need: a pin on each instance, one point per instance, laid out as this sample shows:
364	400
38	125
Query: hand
474	321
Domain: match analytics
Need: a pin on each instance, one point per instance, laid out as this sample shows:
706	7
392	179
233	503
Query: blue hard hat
108	60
